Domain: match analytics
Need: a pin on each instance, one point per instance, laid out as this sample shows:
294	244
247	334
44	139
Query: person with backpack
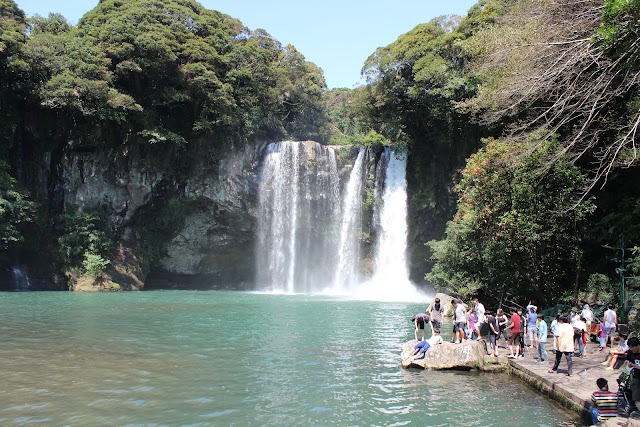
587	315
578	334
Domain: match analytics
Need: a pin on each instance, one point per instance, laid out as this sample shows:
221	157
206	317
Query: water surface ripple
235	359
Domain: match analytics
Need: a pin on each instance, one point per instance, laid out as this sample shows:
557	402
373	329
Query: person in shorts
514	329
419	320
633	358
459	319
435	311
480	311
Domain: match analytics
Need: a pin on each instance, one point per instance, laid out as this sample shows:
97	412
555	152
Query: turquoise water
235	359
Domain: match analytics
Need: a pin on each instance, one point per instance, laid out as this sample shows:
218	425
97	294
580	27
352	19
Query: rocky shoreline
574	392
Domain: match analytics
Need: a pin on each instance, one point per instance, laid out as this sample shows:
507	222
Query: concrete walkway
571	391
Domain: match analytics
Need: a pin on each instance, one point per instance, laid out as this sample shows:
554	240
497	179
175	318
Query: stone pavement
571	391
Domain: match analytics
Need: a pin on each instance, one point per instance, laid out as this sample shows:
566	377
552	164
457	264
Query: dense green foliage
13	28
16	210
555	82
86	245
515	230
170	75
193	70
561	79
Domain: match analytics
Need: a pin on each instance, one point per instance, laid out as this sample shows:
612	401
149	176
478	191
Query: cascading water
391	279
309	242
20	279
350	229
299	206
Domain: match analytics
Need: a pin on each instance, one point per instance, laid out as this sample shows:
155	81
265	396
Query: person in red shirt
514	329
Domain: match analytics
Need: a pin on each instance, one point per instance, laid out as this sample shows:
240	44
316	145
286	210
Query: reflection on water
224	358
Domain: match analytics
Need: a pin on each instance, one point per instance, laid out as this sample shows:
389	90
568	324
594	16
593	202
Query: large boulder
466	355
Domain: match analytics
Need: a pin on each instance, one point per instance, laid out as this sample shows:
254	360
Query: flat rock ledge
447	356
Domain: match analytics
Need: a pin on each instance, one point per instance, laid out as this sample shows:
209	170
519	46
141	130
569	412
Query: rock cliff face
208	213
193	228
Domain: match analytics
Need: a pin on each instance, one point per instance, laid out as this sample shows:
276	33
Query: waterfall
350	229
20	279
391	248
391	278
309	239
299	205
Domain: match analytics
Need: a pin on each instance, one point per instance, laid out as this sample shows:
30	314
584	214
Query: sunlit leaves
515	224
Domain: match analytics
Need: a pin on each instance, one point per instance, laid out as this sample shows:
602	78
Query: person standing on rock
554	331
435	311
459	319
587	315
523	321
532	332
565	345
579	327
480	311
419	320
502	325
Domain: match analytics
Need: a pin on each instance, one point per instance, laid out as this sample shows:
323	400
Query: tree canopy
515	230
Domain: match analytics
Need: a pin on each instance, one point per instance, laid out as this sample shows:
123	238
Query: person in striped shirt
604	403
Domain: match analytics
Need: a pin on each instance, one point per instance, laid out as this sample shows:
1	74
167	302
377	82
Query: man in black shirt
633	358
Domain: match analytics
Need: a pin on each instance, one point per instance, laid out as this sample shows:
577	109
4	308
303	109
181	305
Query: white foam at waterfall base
390	281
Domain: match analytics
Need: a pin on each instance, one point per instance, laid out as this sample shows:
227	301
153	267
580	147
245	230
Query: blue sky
337	35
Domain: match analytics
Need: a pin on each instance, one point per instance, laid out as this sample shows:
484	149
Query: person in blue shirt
531	325
542	339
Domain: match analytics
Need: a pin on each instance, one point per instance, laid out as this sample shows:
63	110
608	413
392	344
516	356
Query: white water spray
298	209
350	229
390	280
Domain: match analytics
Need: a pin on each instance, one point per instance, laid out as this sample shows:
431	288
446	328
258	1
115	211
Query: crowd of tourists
526	330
